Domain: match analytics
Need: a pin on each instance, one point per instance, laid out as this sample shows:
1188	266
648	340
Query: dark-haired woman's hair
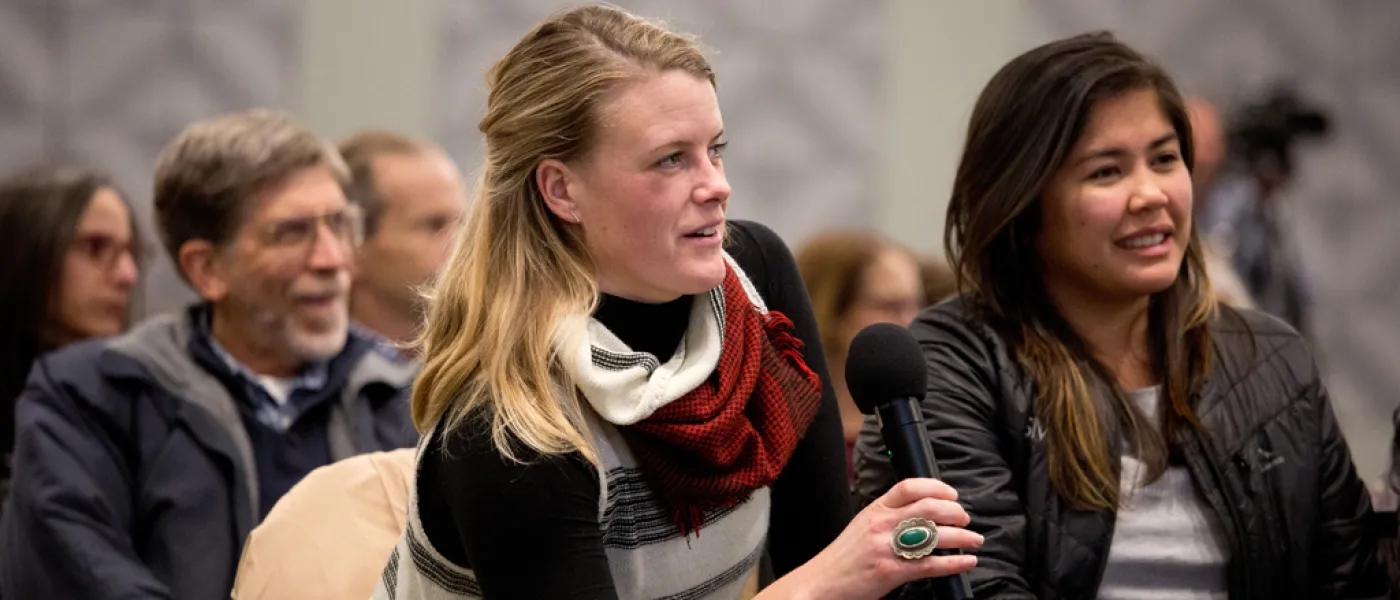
1025	124
39	213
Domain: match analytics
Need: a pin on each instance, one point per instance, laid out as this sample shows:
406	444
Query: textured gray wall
799	86
106	83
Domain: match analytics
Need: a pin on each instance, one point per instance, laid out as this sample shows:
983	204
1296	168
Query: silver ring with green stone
914	538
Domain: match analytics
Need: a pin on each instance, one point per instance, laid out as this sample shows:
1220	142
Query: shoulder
766	260
86	371
746	235
467	457
1257	349
969	360
1247	340
379	363
758	250
953	322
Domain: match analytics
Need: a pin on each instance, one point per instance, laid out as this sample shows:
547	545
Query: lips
708	231
1144	241
1146	237
317	299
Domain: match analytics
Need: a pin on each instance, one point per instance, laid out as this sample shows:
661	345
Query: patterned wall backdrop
798	85
1346	56
107	83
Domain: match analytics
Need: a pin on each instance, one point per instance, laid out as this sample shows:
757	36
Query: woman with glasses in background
69	260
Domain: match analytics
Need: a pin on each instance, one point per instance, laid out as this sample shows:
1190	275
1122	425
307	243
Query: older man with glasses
143	461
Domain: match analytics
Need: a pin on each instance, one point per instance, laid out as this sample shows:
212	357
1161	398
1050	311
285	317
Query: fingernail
971	560
980	540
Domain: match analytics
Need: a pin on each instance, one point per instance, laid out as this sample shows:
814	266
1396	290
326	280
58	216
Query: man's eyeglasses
299	233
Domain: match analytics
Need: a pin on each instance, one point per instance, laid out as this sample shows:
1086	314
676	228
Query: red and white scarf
721	417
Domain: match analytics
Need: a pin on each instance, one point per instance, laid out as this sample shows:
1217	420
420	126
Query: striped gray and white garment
1167	544
648	556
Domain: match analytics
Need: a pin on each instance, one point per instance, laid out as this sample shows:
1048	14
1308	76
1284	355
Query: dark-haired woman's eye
1103	173
1169	158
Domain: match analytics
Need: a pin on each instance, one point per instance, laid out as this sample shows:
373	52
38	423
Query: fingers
942	566
942	512
910	491
957	538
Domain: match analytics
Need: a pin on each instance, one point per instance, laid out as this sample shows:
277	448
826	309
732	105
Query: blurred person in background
143	461
412	198
69	261
1243	214
939	281
1113	430
1210	143
856	279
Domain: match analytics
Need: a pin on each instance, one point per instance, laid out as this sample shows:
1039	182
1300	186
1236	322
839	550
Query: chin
319	344
1146	286
707	276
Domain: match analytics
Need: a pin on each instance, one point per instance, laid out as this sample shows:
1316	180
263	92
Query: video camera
1262	134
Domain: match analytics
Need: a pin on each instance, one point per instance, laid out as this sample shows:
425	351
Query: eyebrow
681	143
1118	152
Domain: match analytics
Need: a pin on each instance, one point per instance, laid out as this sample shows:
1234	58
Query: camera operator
1240	215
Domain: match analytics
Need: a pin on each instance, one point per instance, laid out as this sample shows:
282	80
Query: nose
125	272
1147	194
712	185
329	252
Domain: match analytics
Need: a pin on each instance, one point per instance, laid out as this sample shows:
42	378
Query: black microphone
886	376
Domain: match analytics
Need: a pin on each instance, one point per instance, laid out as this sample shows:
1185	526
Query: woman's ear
552	177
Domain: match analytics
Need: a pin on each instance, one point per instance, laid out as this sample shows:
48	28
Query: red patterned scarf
734	433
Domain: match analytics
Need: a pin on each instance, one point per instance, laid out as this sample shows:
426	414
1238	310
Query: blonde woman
623	393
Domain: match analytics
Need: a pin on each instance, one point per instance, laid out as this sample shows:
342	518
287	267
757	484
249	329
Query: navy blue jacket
134	473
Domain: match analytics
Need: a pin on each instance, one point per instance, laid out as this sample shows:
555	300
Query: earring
574	214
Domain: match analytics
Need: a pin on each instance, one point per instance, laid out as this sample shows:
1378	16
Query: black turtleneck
656	329
530	529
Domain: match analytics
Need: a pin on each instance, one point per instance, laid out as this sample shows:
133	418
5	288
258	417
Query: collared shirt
274	401
381	345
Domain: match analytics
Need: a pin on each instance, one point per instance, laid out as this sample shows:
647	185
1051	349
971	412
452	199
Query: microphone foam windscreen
884	363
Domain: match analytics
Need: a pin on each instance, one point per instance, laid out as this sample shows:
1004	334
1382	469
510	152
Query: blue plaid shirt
278	416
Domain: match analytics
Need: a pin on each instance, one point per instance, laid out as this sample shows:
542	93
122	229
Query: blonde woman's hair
493	339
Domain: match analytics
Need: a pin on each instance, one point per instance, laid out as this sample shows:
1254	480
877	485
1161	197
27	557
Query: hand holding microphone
906	534
886	376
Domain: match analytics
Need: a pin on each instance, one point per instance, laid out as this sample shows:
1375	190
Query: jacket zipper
1200	460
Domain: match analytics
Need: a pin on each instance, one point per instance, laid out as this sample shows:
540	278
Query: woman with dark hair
1111	429
69	248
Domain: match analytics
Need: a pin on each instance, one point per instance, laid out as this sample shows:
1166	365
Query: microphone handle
911	454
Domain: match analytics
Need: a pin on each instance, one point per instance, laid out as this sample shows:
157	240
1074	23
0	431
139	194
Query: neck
232	335
1115	333
395	320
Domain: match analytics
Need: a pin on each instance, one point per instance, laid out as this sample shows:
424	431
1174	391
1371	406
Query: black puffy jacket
1274	468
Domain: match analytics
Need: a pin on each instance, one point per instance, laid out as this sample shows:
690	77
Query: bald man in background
413	200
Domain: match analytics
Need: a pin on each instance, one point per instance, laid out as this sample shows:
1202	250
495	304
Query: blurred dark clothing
1245	226
138	465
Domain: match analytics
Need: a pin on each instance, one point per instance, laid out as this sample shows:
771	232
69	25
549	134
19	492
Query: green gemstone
913	537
